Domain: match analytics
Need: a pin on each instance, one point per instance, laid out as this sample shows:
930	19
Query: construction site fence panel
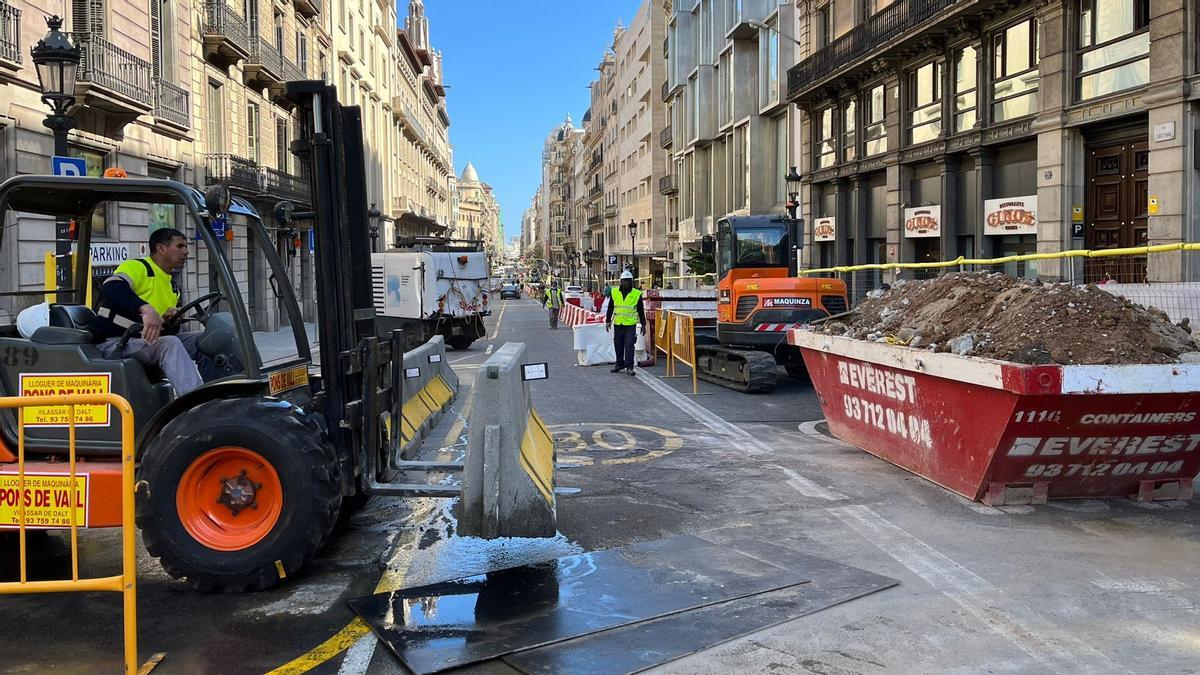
1148	275
67	494
682	333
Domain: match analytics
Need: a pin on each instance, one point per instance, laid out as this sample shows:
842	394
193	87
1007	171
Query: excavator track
739	369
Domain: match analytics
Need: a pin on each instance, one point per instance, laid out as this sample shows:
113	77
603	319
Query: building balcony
172	104
887	30
111	79
596	191
666	89
226	34
668	185
431	185
264	67
610	209
237	172
309	8
10	33
597	160
595	221
280	184
664	137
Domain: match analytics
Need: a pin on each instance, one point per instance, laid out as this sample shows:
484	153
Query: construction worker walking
553	301
625	311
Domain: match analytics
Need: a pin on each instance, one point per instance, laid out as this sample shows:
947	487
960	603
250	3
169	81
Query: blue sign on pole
312	240
68	166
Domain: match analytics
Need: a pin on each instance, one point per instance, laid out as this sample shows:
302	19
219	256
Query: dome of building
469	175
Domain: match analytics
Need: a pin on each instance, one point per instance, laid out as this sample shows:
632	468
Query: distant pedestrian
625	311
553	301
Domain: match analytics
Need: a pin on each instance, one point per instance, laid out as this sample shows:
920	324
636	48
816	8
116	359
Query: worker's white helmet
626	274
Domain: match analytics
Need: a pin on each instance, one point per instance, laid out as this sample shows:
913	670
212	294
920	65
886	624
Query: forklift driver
143	291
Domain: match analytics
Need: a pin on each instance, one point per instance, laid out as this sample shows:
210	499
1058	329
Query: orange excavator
760	298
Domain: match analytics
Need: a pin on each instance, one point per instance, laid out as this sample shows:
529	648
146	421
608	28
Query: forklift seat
78	317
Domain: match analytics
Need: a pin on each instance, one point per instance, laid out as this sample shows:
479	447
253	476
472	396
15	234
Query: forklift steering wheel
204	307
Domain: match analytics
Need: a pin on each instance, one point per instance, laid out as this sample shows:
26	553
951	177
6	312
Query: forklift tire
229	458
460	342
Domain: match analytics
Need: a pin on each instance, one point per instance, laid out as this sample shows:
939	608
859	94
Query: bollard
509	475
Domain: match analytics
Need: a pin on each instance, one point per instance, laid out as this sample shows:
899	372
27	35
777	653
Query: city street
1071	586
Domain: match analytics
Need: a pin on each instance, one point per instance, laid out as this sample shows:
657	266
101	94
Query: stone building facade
193	92
933	129
478	216
729	124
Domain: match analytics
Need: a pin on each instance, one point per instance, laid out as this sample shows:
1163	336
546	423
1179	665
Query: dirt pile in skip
1025	321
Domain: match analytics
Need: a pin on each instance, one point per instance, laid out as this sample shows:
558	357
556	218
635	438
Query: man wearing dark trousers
625	311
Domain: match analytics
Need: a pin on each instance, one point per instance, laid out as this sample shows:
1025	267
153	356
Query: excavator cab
759	299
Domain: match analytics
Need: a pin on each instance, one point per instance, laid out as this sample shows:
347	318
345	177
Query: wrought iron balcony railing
221	20
173	104
113	69
593	221
10	33
266	55
279	183
668	184
232	170
665	138
877	34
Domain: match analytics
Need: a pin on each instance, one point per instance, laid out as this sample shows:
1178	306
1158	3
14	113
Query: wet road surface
1079	586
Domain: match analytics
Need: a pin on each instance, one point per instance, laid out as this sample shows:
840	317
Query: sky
513	70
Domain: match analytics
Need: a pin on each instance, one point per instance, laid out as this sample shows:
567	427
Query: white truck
432	289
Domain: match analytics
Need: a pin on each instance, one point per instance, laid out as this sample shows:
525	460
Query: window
726	93
739	173
874	126
1114	45
849	131
302	51
216	119
965	88
780	126
1015	71
162	215
277	24
281	144
770	68
925	103
825	141
162	40
824	20
252	133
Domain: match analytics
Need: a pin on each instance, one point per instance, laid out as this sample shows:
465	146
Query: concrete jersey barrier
509	476
430	386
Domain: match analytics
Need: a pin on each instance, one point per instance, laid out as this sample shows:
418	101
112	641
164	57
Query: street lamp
57	64
373	214
633	245
793	190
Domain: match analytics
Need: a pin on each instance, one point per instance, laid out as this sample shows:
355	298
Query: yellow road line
390	581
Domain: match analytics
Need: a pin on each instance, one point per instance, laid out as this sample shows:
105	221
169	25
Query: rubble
1001	317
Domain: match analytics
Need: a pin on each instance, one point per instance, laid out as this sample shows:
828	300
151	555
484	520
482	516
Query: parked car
510	291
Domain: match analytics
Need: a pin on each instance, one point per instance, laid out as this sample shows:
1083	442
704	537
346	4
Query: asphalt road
1079	586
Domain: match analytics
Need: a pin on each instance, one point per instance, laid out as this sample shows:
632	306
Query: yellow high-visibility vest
625	307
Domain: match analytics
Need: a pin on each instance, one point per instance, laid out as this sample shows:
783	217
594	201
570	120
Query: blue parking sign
68	166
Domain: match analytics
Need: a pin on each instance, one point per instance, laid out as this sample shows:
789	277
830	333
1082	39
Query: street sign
68	166
613	266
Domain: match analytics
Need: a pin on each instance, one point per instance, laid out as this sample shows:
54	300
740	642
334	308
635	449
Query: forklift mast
330	143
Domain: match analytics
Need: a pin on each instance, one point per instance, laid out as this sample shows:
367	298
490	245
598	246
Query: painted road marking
703	415
588	444
1043	642
356	633
806	487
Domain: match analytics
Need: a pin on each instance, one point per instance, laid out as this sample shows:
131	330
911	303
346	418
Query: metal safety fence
124	583
1147	275
675	336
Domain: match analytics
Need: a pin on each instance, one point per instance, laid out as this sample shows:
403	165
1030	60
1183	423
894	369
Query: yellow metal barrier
662	337
683	345
124	583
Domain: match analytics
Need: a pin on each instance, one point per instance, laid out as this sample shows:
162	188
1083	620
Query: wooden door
1115	212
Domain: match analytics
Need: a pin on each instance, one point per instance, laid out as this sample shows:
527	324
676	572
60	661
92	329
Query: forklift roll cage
77	198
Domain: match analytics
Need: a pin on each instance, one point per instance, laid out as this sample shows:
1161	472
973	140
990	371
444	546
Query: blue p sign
68	166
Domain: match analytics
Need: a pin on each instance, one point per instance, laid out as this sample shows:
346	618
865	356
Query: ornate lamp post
633	246
57	64
793	206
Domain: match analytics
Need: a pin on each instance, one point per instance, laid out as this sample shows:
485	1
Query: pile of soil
1020	320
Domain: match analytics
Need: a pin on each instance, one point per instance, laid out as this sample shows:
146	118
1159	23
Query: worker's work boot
615	370
631	372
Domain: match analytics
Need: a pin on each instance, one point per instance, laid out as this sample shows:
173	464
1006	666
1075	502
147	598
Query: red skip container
1007	433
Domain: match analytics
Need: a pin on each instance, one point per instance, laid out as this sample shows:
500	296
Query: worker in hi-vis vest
553	302
625	311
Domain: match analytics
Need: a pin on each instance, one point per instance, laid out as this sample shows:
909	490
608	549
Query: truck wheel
238	494
460	342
